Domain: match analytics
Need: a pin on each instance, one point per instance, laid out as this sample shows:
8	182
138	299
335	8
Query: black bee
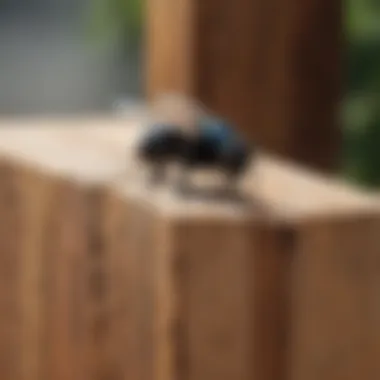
212	144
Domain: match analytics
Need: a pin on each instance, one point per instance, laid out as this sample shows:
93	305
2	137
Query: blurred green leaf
112	18
361	109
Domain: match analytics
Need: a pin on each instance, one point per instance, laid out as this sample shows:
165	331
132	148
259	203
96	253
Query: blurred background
80	56
361	102
68	56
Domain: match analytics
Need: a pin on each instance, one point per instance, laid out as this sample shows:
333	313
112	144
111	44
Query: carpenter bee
196	142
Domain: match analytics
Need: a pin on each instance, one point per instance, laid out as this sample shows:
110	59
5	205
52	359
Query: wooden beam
103	278
335	313
219	288
273	68
67	298
239	291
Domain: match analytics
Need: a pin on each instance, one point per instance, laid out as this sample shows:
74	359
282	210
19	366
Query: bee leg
157	174
231	185
182	184
231	189
233	165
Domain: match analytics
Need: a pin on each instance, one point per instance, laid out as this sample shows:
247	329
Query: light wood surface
105	278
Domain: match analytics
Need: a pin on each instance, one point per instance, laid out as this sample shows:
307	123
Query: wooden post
219	290
102	278
335	309
249	292
271	67
68	294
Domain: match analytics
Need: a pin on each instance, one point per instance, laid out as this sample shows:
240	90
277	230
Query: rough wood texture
102	278
68	297
271	67
336	314
220	290
261	293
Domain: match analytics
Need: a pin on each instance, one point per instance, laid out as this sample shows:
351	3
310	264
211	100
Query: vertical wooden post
271	67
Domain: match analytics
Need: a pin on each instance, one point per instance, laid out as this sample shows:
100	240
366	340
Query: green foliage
361	109
111	18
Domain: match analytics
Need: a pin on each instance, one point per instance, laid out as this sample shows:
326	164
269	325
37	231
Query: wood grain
10	307
102	278
273	68
221	292
335	322
66	297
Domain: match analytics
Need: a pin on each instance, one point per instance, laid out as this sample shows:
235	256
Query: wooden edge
103	152
68	279
223	299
